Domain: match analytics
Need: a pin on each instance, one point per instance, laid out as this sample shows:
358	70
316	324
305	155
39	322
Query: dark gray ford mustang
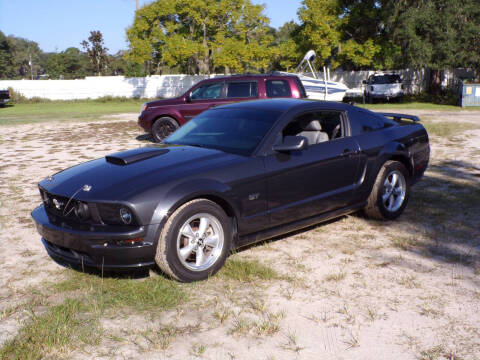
233	175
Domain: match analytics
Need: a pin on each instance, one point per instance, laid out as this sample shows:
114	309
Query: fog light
125	215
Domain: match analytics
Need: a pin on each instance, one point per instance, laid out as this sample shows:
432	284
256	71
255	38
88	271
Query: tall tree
25	51
428	32
286	49
96	51
320	27
6	58
200	36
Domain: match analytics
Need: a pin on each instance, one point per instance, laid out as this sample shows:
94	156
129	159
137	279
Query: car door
317	179
202	98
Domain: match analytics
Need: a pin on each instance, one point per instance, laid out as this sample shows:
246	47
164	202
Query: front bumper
385	95
94	246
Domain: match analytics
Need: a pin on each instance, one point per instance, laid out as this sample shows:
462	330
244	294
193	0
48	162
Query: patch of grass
433	353
241	326
75	322
416	105
336	276
51	334
270	324
153	292
248	270
448	129
403	243
81	110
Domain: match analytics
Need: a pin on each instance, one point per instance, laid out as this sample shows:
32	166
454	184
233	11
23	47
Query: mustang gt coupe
233	175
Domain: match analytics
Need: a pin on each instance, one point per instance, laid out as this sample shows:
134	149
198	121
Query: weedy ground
352	288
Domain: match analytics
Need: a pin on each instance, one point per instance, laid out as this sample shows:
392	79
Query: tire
392	180
163	127
183	231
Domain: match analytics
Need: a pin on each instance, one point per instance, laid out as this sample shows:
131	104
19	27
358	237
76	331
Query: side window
242	89
207	91
317	127
278	88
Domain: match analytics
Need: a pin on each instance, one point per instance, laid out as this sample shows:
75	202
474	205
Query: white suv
383	86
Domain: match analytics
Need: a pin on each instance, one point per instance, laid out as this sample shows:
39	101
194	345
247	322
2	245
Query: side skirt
296	225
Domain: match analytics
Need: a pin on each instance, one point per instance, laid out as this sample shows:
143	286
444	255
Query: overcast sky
58	24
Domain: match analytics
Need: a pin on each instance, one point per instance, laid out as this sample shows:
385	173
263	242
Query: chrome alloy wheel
200	242
395	189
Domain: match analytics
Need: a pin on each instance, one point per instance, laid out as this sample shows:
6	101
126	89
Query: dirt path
350	289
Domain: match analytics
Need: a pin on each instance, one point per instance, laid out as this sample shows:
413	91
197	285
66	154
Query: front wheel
195	241
390	193
163	127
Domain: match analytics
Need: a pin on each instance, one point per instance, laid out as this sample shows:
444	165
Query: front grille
66	208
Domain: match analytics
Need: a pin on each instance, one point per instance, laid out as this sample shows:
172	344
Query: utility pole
31	66
137	5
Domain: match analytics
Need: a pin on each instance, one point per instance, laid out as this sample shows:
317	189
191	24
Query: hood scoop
134	155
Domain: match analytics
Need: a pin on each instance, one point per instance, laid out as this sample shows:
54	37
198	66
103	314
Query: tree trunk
435	83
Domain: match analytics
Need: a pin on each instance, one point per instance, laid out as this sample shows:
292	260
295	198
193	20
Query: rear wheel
390	193
195	241
163	127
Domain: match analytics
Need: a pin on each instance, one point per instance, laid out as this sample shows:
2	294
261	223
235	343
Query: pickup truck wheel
390	193
163	127
195	241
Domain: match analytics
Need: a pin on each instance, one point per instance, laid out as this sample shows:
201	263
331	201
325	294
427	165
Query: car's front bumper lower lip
94	248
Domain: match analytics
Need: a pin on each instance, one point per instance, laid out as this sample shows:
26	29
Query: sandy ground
352	288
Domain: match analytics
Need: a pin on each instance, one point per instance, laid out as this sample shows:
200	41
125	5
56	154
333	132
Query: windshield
385	79
237	131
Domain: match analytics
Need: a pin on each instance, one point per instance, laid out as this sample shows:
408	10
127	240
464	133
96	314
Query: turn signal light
132	241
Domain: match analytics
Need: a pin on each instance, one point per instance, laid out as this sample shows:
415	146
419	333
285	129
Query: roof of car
284	104
240	76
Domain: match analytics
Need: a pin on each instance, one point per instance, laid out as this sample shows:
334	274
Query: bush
16	97
446	97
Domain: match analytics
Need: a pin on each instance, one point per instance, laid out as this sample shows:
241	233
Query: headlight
81	210
116	214
144	107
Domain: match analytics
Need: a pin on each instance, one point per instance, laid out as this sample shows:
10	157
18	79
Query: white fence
165	86
94	87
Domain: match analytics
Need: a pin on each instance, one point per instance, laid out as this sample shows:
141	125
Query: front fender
189	190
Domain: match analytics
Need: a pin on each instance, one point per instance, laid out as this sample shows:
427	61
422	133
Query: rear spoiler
399	117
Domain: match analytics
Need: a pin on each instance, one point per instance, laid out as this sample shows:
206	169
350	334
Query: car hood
164	102
121	176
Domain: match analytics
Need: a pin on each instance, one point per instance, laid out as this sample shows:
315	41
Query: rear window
385	79
366	121
245	89
278	88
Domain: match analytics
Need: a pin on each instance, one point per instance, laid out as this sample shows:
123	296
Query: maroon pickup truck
162	117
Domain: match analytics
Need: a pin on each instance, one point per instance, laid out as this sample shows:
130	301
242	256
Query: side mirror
364	82
188	97
291	143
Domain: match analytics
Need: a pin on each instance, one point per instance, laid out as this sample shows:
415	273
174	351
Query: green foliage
6	58
247	270
320	31
52	332
23	51
201	36
16	97
76	321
